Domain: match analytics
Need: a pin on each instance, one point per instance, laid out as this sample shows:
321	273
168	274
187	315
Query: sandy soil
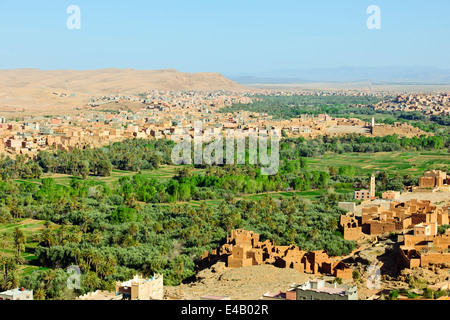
63	90
247	283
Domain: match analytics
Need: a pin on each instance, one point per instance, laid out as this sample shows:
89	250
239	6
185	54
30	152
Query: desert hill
34	89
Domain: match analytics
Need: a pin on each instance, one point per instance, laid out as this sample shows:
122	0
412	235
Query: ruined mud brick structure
434	179
401	216
351	228
419	250
243	248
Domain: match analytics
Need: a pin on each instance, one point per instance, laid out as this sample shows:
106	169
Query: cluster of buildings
425	246
400	216
425	103
169	115
243	248
416	222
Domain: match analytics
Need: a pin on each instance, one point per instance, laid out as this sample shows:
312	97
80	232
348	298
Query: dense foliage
92	227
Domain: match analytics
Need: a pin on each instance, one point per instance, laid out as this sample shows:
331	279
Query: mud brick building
390	195
433	180
243	248
350	226
420	250
401	216
400	129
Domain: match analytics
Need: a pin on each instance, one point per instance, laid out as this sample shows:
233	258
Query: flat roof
16	291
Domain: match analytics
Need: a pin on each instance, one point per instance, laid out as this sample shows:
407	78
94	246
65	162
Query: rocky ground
246	283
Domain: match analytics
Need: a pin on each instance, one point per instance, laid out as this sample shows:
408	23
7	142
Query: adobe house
390	195
350	227
401	216
419	250
432	181
243	248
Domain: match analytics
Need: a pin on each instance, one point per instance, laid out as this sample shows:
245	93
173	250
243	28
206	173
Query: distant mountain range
384	75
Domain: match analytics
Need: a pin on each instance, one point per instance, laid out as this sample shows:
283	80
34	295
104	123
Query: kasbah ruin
413	224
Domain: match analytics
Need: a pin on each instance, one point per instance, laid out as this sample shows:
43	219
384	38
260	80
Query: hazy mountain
413	75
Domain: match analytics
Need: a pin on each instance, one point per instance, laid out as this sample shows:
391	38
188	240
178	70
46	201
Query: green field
409	162
29	228
163	173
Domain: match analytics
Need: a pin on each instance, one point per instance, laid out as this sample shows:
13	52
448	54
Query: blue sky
223	36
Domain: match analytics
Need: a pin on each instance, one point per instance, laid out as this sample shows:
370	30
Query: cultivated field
409	162
30	227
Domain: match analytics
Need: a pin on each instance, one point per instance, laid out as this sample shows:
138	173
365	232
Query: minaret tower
373	125
372	187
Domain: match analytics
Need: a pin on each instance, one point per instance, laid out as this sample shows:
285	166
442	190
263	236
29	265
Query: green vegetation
286	107
123	209
292	106
95	228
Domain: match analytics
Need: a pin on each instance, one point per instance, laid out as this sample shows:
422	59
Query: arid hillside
56	90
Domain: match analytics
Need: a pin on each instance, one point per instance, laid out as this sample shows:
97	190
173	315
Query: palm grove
145	225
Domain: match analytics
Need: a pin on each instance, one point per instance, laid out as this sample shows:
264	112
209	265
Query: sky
229	37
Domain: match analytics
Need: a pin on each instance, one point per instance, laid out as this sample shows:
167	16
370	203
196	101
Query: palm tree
48	276
95	238
39	294
13	280
96	260
133	229
91	280
3	262
48	237
333	225
86	222
18	258
107	267
4	238
19	240
146	223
